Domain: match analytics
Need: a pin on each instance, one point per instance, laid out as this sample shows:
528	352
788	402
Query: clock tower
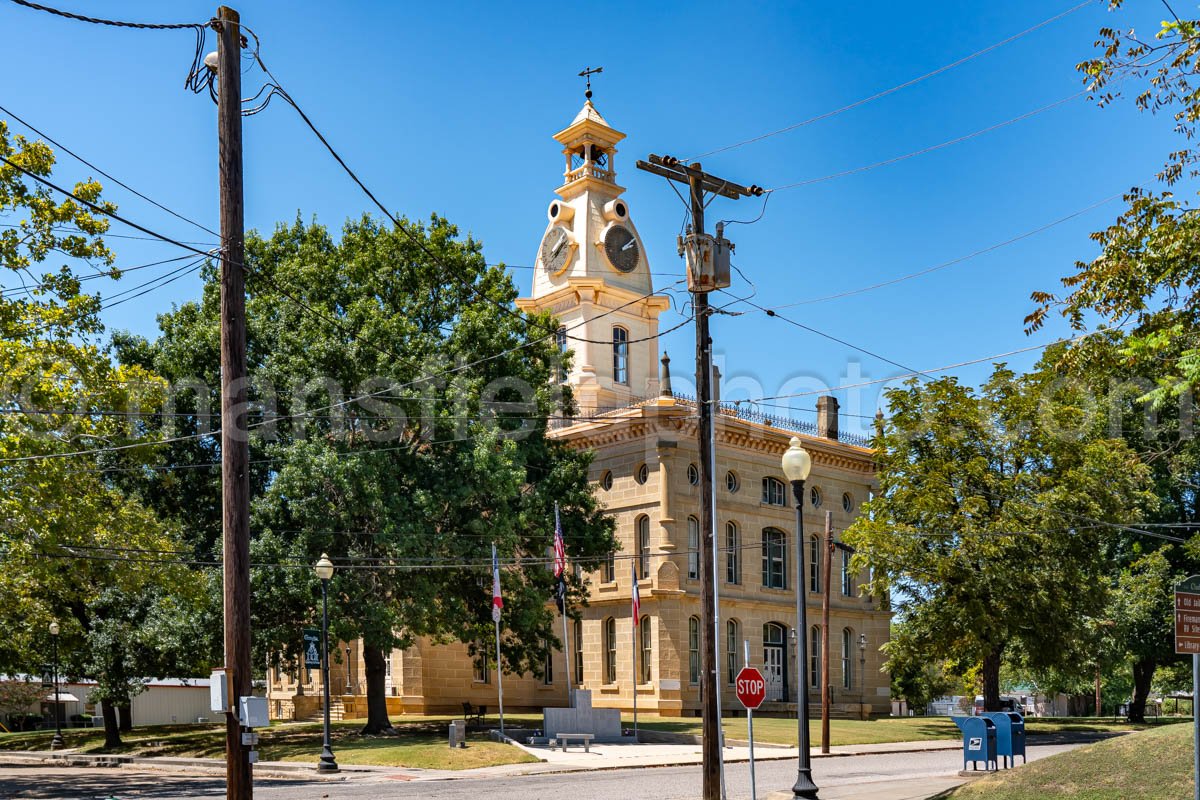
591	272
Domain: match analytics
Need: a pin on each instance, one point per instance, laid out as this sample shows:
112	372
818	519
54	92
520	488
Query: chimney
827	417
716	386
664	382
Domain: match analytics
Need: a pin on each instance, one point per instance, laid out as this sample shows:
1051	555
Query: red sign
751	687
1187	616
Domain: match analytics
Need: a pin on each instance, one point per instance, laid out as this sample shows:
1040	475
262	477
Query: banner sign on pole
312	648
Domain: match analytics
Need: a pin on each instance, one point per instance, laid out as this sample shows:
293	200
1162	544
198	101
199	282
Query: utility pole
235	445
825	692
708	269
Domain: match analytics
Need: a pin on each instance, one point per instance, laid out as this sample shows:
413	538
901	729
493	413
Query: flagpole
566	639
500	678
496	605
635	609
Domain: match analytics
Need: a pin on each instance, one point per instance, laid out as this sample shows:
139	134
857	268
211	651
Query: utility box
458	733
979	741
252	712
218	692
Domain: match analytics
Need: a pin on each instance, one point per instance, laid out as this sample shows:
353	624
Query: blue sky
450	107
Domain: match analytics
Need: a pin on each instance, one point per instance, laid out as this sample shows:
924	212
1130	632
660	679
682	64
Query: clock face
556	249
621	248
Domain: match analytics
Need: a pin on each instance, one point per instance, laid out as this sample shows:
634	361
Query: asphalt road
659	783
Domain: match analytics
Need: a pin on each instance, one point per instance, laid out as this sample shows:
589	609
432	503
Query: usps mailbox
1010	735
979	741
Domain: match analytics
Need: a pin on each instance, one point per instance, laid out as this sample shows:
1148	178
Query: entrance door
774	662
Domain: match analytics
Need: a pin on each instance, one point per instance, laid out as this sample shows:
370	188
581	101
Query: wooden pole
709	680
235	446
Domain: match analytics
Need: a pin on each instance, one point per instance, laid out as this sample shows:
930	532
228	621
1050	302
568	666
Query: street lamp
796	465
57	742
324	570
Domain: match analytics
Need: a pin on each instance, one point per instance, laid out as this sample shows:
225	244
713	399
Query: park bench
562	739
474	714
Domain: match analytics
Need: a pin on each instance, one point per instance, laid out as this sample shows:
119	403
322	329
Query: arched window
693	548
774	559
647	655
620	338
814	563
847	660
610	650
693	649
814	656
643	546
733	553
772	492
560	339
578	654
733	649
847	576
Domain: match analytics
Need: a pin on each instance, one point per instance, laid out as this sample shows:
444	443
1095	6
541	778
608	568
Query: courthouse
592	273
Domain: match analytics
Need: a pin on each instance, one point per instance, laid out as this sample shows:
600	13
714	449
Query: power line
772	313
114	23
115	180
46	285
946	368
898	87
931	148
954	261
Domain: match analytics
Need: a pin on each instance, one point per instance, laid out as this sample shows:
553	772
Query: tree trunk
1143	674
126	713
991	680
112	732
377	713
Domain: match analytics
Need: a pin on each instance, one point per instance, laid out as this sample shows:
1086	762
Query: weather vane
587	74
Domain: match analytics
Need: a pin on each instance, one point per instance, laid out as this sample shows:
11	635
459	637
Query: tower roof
589	112
590	125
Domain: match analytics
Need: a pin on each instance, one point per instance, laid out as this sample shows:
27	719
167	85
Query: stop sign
751	687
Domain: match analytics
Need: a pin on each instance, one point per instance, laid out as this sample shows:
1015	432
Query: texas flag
560	564
497	601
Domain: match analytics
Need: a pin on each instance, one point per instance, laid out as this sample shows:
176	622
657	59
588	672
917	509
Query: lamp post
796	465
324	570
57	742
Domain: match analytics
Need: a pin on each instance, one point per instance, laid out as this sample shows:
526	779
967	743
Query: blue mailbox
979	741
1010	735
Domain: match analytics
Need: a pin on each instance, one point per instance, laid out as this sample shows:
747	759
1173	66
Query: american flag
637	600
560	565
497	601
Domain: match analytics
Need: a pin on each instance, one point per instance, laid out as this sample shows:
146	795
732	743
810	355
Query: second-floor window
847	576
774	559
814	563
620	355
693	548
643	546
733	553
772	492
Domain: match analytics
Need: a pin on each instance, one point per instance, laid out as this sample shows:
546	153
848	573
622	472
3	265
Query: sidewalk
912	789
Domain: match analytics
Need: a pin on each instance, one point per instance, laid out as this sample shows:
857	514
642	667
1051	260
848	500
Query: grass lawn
775	730
1151	765
421	744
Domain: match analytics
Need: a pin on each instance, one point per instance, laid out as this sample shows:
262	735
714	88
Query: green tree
405	415
66	532
986	532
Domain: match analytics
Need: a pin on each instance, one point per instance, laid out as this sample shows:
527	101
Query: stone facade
645	473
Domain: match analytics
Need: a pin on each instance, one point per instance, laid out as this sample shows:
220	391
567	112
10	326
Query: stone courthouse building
593	274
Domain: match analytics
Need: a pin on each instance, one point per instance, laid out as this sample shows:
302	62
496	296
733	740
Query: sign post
751	689
1187	642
